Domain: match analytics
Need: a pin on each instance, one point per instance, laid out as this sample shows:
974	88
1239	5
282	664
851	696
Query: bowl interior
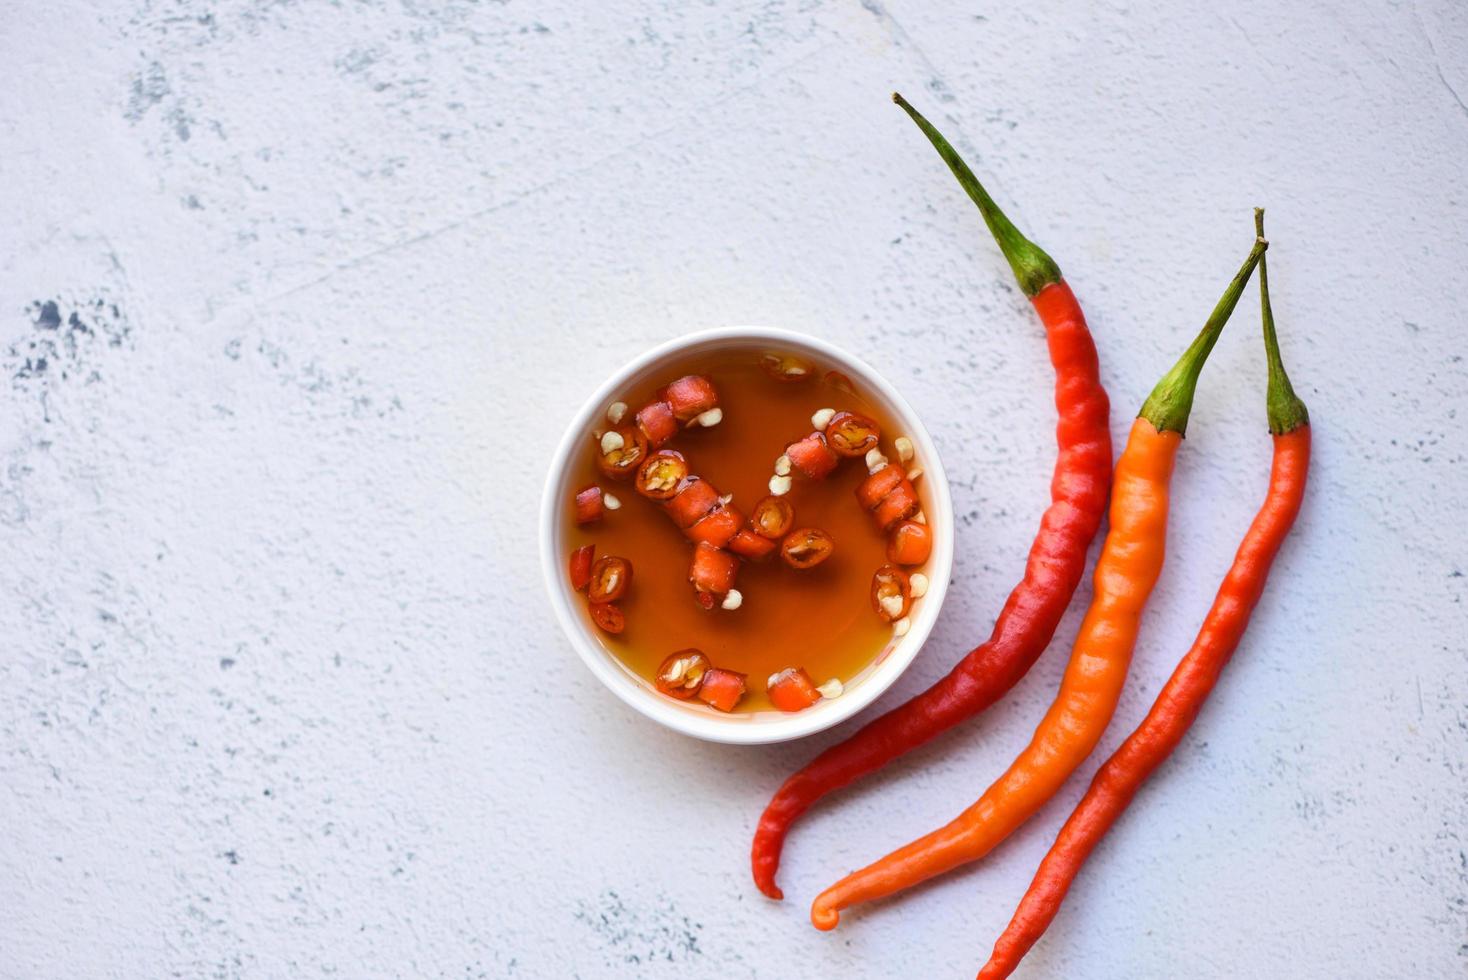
693	718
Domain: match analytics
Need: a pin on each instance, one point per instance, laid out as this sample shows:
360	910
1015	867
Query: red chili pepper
620	461
681	674
1056	560
691	396
812	456
611	577
748	544
608	617
909	543
718	527
589	508
785	368
851	435
891	593
713	570
656	423
900	503
695	499
772	517
792	690
581	566
661	476
871	491
1182	697
806	547
721	688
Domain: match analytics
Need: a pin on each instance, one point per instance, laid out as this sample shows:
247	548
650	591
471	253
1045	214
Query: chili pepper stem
1032	267
1171	401
1285	409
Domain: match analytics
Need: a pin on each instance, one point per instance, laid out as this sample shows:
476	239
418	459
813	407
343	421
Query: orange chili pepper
1183	695
1130	562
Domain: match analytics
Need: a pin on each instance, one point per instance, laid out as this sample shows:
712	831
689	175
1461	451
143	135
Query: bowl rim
736	728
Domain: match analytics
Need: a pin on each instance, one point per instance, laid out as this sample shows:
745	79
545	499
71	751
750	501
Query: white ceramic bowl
695	718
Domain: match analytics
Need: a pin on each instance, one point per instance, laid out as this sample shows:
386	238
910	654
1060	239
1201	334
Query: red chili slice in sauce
693	501
589	507
656	422
718	527
690	396
891	593
792	690
609	617
621	462
681	674
661	475
721	688
849	434
909	543
713	570
806	547
747	544
869	492
581	566
772	517
785	368
611	577
901	503
812	456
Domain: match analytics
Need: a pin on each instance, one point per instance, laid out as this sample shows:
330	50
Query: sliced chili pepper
891	593
812	456
840	382
792	690
713	569
589	507
909	543
1130	562
662	474
656	423
772	517
869	492
721	524
691	396
609	617
695	498
901	503
619	462
681	673
721	688
706	599
784	367
852	435
581	566
611	577
748	544
1182	697
1056	561
806	547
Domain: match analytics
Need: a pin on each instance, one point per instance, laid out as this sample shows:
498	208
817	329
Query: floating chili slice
589	507
713	569
909	543
621	451
784	367
806	547
812	456
901	503
850	435
840	382
609	617
721	688
721	524
680	674
661	474
656	422
792	690
695	498
891	593
772	517
611	577
691	396
748	544
581	566
869	492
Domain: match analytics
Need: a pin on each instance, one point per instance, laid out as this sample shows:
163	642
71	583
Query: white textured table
294	299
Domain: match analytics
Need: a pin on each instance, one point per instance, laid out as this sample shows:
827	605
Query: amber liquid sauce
820	619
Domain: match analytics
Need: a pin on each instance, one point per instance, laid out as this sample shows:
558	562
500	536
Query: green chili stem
1032	267
1168	406
1285	409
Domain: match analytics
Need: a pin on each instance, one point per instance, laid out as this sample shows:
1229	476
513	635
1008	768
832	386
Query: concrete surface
294	298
